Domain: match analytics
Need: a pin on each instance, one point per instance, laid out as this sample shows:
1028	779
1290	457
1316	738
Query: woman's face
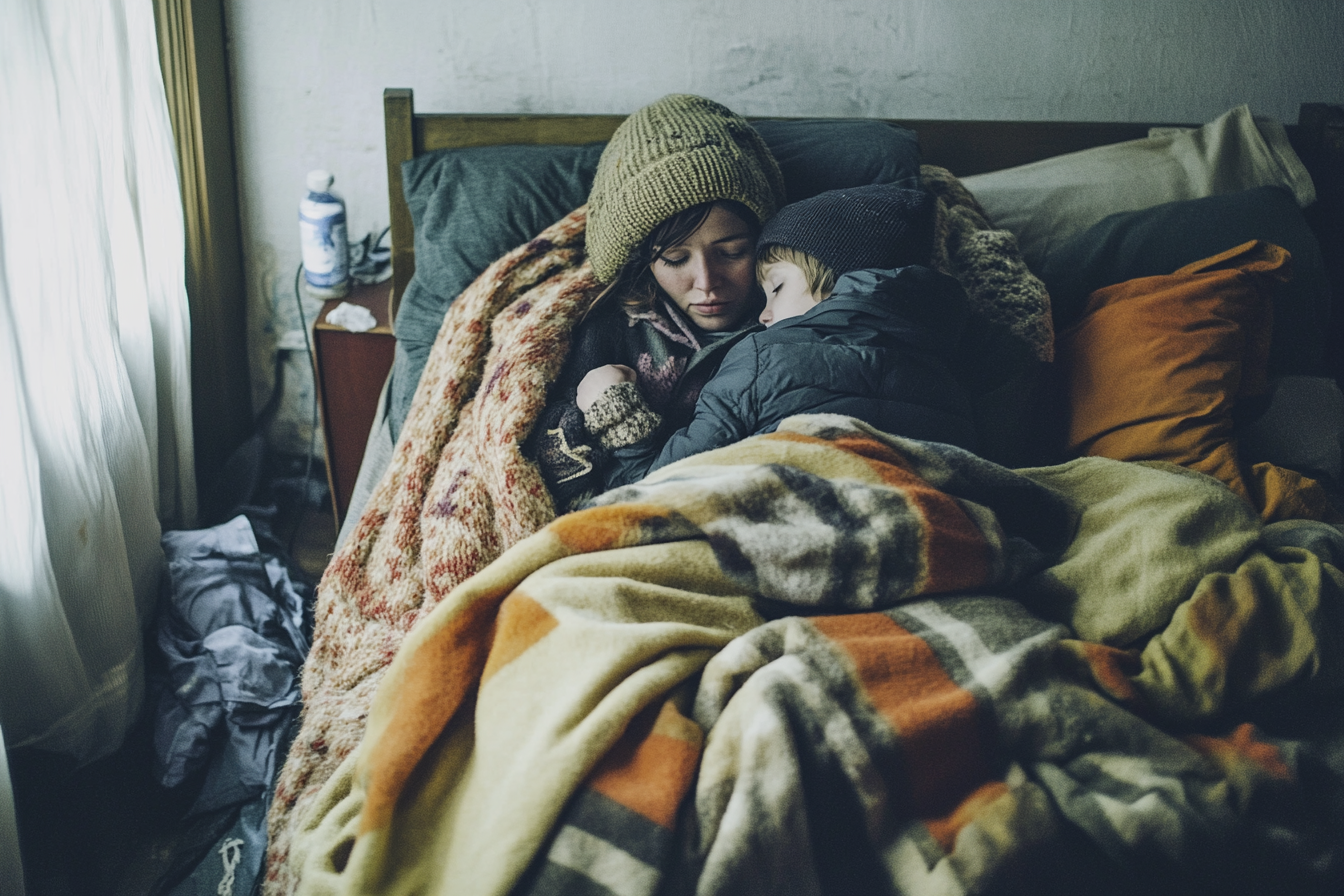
711	275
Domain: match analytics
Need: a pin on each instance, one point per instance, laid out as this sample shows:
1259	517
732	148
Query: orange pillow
1155	366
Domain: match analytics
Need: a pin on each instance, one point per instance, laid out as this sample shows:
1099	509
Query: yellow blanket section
1213	607
476	795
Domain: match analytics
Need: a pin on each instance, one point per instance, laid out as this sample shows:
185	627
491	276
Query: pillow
466	204
470	206
1046	202
1303	428
820	155
1155	367
1166	237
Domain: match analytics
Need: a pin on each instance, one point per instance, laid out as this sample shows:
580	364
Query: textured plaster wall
308	77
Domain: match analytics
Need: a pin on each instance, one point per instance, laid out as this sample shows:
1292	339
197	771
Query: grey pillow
1044	203
1160	240
1303	429
470	206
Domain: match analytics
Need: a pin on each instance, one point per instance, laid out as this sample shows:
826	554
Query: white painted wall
308	77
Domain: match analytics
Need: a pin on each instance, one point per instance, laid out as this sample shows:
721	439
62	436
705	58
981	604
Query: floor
109	829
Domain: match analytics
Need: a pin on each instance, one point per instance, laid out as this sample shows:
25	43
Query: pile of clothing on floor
231	635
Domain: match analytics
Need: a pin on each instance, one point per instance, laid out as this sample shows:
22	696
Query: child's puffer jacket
878	349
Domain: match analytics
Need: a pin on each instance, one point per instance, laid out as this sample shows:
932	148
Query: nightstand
349	371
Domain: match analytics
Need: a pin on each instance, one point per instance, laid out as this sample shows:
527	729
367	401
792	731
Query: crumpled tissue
355	318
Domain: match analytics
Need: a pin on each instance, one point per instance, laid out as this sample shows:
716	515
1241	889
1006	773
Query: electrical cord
312	432
376	260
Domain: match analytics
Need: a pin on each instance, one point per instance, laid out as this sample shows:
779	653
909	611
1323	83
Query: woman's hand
598	380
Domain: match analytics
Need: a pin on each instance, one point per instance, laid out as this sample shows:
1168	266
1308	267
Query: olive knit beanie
671	155
876	226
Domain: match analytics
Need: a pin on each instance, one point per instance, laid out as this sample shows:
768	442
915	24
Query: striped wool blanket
823	661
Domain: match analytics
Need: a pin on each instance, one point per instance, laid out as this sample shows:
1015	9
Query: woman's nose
706	277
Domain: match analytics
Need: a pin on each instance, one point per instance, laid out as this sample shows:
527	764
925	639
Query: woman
676	206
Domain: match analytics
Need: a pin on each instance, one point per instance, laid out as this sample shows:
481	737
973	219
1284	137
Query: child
857	324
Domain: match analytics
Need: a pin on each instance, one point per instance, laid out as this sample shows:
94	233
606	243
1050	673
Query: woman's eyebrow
744	235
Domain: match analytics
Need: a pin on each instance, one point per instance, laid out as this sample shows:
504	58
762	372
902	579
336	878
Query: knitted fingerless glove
620	417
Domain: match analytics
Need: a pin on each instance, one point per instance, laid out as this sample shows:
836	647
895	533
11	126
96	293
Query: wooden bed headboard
962	147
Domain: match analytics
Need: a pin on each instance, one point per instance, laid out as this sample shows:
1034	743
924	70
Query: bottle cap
320	180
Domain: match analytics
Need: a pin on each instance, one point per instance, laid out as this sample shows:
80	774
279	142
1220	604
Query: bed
1107	655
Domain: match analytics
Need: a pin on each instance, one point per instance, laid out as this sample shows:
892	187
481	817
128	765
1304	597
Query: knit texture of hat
671	155
876	226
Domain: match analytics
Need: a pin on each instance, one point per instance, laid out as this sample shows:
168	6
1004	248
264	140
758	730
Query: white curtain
95	406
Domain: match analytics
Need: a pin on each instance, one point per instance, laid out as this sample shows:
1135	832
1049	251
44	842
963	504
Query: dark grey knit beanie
876	226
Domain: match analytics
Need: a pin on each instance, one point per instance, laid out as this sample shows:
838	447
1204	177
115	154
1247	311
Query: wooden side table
349	372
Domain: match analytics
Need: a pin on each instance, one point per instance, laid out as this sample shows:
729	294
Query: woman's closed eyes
676	259
711	275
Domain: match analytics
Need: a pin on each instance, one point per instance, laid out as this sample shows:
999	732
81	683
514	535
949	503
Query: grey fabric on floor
231	633
233	865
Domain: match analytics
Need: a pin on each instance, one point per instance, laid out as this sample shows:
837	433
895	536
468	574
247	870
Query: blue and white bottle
324	239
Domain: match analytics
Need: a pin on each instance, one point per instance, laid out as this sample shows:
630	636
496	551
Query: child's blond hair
820	278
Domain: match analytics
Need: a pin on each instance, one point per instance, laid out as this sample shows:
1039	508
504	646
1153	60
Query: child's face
786	293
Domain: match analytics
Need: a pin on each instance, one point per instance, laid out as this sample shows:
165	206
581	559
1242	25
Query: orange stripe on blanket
956	551
1109	668
522	623
650	769
439	675
1242	745
934	717
945	829
604	528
